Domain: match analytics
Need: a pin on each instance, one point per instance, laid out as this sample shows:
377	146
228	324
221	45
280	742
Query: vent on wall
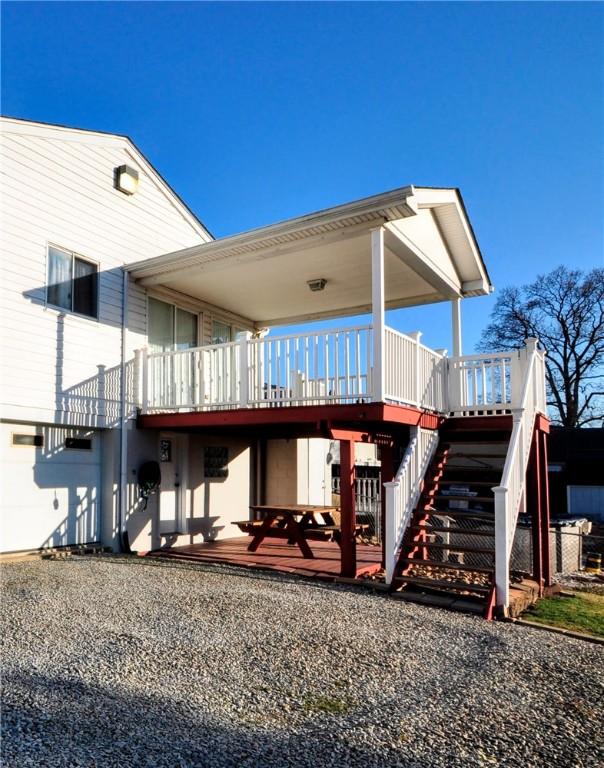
35	440
78	443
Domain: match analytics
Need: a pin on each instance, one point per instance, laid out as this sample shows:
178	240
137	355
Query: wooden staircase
448	553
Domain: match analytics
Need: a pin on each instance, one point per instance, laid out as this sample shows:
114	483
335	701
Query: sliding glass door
170	327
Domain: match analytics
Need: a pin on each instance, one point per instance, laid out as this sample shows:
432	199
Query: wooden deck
276	555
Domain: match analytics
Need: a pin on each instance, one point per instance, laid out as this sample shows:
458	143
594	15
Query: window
72	283
35	440
78	443
170	327
223	333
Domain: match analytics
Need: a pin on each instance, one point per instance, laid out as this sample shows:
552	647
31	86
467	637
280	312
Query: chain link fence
573	545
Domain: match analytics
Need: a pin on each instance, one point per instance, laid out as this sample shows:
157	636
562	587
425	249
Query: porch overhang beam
361	309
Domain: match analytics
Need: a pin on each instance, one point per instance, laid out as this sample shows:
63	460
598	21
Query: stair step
448	564
459	497
444	529
462	514
471	439
454	547
476	456
473	469
443	585
486	483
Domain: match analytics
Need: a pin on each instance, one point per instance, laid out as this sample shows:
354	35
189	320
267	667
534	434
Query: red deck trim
276	555
321	416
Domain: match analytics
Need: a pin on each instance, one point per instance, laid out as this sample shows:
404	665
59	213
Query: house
132	338
576	459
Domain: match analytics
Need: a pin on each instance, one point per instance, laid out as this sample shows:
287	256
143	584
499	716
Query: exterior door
173	465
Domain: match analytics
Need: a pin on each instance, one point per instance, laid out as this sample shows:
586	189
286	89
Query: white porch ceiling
262	275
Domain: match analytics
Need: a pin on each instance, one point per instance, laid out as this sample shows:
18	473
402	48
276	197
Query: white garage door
586	501
51	480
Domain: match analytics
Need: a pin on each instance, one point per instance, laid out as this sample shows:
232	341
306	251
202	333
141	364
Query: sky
257	112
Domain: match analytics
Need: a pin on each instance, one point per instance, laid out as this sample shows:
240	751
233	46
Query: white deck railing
402	494
510	494
481	383
336	366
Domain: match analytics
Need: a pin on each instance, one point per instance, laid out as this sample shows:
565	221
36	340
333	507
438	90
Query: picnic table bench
295	522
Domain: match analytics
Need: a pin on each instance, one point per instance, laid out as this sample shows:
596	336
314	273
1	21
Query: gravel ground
113	661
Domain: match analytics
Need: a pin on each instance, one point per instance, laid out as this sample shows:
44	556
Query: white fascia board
362	309
253	239
428	197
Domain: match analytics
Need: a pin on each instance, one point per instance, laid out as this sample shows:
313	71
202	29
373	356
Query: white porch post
456	326
378	313
244	369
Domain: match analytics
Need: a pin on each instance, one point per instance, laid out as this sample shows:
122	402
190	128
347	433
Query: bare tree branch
565	311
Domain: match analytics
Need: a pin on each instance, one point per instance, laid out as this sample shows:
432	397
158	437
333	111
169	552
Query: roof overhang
430	255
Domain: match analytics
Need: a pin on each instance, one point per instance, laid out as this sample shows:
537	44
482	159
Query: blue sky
257	112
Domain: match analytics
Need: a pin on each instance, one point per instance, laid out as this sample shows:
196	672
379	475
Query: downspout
123	498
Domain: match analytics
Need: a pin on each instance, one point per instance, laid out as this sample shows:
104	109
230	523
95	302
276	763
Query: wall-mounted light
126	179
318	284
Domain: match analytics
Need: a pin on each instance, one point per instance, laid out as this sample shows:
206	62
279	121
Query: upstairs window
72	283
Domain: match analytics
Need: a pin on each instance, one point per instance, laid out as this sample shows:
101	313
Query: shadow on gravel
67	722
256	574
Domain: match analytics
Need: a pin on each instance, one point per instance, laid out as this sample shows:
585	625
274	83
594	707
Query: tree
565	311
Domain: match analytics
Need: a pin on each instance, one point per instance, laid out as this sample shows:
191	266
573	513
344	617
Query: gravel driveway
111	661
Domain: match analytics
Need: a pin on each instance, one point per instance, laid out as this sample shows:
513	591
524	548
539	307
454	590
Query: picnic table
295	522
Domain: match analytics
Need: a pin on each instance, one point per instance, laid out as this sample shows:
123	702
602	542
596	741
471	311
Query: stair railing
510	494
402	494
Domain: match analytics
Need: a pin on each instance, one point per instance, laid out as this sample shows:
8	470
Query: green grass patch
327	704
582	612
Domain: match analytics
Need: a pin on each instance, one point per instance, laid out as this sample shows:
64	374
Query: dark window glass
85	287
80	443
36	440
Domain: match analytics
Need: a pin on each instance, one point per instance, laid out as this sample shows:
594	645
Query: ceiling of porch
263	275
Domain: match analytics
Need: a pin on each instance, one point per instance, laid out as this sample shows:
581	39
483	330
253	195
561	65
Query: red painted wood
544	512
535	506
542	423
315	416
347	509
276	555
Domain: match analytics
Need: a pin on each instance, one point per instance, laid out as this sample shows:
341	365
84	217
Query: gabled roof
55	130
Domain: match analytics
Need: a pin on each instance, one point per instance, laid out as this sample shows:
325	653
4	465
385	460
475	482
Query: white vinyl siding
51	495
56	366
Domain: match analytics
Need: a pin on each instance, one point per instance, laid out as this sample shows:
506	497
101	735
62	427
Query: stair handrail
402	493
509	494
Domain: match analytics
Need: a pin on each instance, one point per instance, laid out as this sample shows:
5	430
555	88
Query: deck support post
536	506
456	326
347	510
378	307
544	512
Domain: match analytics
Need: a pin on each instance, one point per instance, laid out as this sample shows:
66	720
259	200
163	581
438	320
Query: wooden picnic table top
294	509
